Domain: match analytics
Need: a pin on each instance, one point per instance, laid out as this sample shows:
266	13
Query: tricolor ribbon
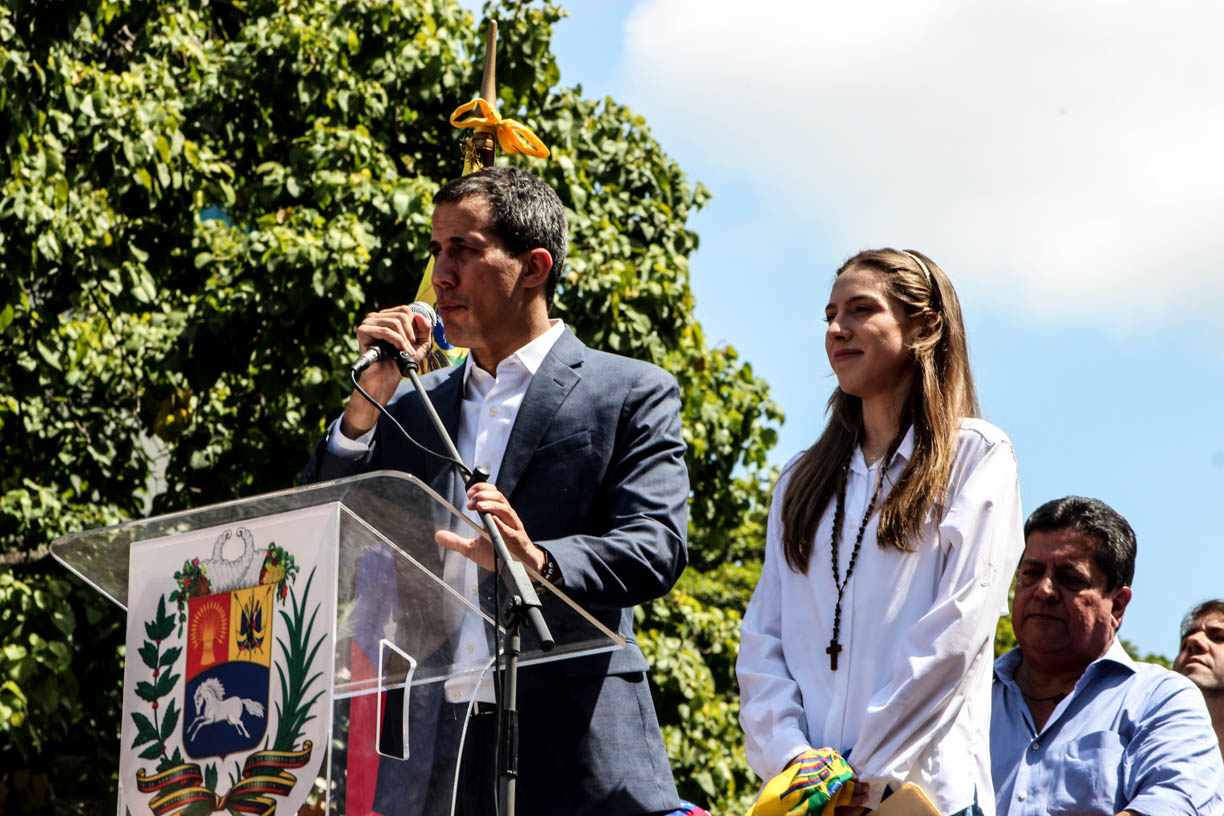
262	773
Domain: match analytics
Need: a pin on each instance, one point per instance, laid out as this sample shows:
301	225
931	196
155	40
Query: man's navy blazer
594	467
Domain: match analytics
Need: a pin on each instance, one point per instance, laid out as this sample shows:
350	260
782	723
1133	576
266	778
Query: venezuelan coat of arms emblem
228	681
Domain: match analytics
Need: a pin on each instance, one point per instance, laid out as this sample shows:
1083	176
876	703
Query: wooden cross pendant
832	653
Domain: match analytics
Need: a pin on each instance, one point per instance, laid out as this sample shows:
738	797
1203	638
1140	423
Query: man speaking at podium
588	486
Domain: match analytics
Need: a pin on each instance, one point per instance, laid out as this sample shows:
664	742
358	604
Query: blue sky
1063	166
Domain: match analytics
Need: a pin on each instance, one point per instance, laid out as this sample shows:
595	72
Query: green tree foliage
60	673
691	639
197	203
1146	657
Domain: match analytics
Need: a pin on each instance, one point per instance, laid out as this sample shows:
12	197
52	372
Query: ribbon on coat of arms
262	773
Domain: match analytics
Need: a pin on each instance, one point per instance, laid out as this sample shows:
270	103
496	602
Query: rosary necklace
838	517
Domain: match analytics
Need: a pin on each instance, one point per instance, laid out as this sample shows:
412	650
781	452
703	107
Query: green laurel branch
155	728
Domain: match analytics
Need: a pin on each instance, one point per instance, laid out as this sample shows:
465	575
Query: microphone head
426	311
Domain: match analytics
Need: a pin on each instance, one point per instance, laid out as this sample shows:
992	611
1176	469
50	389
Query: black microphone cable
464	470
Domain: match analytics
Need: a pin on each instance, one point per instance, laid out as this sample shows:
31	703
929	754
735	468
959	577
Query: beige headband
930	278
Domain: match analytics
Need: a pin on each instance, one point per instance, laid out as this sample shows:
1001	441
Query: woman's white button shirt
910	700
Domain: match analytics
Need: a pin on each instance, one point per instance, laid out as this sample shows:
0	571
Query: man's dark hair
526	213
1115	540
1213	607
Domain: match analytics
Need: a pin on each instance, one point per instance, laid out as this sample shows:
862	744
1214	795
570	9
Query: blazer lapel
552	383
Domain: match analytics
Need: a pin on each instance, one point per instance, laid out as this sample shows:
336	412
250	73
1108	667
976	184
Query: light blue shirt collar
1005	666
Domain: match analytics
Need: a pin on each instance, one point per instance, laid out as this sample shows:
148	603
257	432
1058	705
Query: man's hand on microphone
484	496
404	329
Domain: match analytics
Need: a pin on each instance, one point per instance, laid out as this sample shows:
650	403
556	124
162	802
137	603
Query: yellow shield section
250	631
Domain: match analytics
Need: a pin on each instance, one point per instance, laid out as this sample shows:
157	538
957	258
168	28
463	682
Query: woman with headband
890	549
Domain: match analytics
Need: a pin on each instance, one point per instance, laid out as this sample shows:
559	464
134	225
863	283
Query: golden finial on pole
483	140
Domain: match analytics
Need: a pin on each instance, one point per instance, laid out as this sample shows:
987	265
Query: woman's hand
857	800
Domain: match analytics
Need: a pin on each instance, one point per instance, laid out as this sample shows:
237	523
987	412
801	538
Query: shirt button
1021	796
1034	746
454	695
470	649
492	412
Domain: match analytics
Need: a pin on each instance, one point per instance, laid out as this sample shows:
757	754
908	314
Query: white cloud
1070	154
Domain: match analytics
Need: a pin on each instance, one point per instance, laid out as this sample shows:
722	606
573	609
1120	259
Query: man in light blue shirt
1076	725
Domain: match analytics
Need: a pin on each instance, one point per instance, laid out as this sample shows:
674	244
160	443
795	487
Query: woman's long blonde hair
941	395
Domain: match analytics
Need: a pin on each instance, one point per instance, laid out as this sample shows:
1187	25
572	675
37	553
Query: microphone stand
523	602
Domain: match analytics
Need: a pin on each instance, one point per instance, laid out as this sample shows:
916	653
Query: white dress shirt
910	700
487	413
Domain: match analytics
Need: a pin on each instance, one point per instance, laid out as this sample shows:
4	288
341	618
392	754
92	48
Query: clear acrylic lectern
300	649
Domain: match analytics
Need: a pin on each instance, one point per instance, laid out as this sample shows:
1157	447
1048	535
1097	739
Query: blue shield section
226	710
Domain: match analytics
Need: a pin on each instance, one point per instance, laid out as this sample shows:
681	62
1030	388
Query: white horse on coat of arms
212	706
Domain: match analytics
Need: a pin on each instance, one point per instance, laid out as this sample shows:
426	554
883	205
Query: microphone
382	350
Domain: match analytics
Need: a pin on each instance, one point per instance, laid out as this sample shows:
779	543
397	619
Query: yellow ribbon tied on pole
512	136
